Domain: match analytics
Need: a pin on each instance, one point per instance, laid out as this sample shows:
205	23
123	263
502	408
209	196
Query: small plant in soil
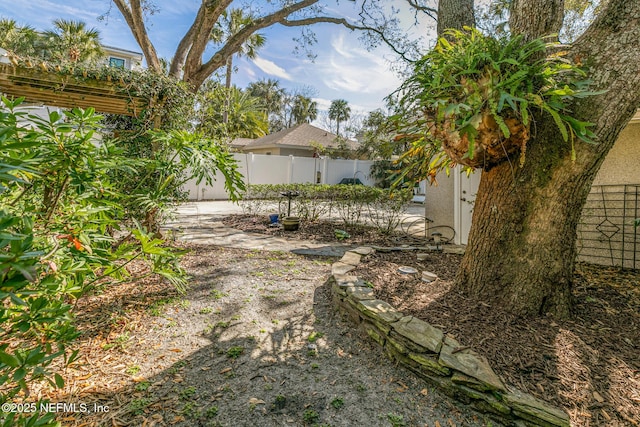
223	324
216	294
187	393
211	412
313	337
310	416
205	310
337	403
280	402
235	352
132	370
119	342
396	420
136	406
142	386
190	410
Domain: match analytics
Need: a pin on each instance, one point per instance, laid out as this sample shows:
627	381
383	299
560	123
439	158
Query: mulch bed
589	365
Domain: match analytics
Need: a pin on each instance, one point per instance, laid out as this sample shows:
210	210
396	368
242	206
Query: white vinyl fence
266	169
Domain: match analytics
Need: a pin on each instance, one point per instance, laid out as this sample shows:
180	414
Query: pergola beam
65	91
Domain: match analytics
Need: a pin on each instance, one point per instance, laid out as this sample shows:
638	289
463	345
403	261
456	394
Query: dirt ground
590	365
253	342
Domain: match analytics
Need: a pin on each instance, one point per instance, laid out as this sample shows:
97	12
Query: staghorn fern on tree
471	100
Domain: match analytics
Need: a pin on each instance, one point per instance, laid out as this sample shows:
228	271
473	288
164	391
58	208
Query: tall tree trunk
227	100
536	18
455	14
522	245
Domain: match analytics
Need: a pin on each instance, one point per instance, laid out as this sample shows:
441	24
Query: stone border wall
455	369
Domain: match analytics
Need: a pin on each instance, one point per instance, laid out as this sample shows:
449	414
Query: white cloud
351	68
271	68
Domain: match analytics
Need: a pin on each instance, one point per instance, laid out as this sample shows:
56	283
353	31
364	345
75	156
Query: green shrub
65	229
315	200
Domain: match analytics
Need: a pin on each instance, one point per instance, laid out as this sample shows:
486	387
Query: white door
465	195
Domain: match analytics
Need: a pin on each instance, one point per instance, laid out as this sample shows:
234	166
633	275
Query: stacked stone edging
457	370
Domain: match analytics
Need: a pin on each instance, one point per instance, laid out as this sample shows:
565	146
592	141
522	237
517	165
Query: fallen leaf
177	419
255	401
598	397
438	424
424	392
175	350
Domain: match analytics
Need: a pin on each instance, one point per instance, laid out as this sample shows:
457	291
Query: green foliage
469	78
67	227
165	161
310	416
337	402
18	39
339	111
284	109
235	352
396	420
383	171
71	41
315	200
245	116
376	136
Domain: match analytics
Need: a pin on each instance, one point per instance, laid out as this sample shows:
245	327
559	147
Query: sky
342	69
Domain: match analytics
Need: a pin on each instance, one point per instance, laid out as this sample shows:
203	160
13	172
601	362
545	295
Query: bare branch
429	11
341	21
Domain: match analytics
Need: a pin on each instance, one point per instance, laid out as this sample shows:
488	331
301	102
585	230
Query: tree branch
429	11
211	11
196	77
132	13
341	21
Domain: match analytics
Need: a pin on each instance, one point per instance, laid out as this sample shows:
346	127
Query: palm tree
18	40
340	112
231	23
71	41
304	110
245	116
271	96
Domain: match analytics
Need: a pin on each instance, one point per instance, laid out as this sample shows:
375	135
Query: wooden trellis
66	91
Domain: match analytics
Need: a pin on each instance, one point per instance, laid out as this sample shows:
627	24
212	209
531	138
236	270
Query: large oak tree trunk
522	245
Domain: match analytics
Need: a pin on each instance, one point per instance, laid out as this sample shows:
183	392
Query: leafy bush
66	227
473	97
315	200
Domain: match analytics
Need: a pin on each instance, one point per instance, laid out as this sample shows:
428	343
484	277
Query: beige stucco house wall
622	164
